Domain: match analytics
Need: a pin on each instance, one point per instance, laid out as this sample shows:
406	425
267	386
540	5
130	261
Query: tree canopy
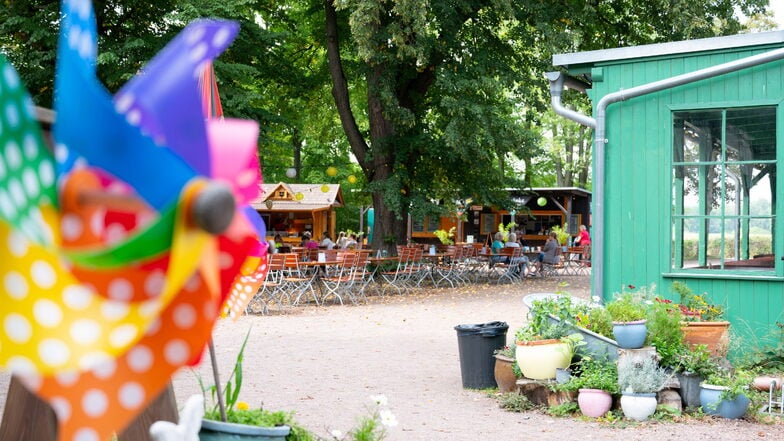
432	101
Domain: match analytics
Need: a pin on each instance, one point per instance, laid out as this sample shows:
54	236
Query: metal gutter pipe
597	241
557	80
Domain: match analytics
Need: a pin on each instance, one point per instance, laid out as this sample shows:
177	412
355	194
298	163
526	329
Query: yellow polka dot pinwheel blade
50	322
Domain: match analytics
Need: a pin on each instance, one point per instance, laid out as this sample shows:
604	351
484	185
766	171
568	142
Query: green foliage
590	373
560	233
641	376
664	331
514	402
697	360
626	307
446	237
766	353
564	409
598	320
506	229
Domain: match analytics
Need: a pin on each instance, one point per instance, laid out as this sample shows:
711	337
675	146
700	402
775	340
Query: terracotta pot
539	359
716	335
763	382
504	374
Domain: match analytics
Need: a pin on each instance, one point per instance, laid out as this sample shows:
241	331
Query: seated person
351	243
496	247
549	252
326	241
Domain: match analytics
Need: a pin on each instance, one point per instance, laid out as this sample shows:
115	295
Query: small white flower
381	400
387	418
337	434
596	299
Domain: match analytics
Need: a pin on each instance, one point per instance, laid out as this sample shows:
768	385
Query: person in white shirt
326	241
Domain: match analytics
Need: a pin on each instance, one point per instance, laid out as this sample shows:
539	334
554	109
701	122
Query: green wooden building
687	140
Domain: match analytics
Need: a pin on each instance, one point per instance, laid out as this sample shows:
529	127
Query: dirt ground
323	363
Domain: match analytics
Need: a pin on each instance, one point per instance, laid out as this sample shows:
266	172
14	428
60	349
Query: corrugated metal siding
638	168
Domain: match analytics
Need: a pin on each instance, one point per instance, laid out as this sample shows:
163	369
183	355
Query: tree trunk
380	166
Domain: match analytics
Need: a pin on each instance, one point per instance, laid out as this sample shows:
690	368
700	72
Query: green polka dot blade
27	174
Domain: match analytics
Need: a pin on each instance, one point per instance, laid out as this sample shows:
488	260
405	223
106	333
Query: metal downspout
597	241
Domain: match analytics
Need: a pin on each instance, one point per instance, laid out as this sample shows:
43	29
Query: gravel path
325	362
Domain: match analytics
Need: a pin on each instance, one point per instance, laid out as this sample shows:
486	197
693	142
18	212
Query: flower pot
219	431
763	382
539	359
562	375
690	388
638	407
596	345
712	404
716	335
630	335
504	374
594	402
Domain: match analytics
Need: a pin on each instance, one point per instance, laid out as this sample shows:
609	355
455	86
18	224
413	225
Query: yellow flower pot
538	360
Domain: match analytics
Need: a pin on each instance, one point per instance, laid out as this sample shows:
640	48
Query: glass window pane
697	136
751	134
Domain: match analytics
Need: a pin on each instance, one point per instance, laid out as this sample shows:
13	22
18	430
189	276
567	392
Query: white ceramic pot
638	407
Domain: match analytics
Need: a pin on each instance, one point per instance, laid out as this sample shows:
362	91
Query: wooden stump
27	417
538	392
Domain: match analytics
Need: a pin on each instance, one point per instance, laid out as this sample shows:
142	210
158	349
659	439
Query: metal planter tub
597	346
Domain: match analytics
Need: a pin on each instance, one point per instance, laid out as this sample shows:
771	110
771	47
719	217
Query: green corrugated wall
638	178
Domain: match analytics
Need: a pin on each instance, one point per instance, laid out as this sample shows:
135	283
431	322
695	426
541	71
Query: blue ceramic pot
713	405
630	335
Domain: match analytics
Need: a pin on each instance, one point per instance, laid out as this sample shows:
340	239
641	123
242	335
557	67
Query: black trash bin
476	344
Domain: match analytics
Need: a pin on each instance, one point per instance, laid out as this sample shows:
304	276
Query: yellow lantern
299	196
325	188
352	179
332	171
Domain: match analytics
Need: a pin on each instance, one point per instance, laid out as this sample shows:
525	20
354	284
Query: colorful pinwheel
114	265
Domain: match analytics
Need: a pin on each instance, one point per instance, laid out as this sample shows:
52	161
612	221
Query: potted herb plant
588	319
692	366
639	380
703	321
561	235
723	393
595	380
628	312
237	420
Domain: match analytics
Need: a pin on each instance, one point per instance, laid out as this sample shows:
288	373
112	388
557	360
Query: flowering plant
696	308
373	427
446	237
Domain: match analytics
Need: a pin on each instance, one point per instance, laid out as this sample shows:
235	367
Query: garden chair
341	282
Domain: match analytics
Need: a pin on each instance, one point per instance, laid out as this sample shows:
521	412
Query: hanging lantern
269	204
291	172
299	196
542	201
332	171
352	179
325	188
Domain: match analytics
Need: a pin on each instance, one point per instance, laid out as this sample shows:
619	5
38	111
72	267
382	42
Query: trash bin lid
490	329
